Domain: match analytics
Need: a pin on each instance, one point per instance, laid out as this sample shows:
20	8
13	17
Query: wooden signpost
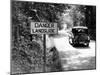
44	28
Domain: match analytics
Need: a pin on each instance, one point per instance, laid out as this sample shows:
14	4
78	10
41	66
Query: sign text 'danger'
43	28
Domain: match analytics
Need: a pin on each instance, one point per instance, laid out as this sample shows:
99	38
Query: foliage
27	49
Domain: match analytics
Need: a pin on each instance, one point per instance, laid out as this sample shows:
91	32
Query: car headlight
88	38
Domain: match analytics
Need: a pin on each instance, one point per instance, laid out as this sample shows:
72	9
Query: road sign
43	28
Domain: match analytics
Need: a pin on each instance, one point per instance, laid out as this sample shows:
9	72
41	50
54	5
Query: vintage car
80	36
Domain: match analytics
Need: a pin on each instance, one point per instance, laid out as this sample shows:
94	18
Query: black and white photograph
52	37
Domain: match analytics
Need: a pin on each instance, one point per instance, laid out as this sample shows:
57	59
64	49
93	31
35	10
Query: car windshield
79	30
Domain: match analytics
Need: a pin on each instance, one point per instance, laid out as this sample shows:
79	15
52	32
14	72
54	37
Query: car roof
83	27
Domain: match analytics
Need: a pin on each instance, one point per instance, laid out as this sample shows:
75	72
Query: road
75	58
